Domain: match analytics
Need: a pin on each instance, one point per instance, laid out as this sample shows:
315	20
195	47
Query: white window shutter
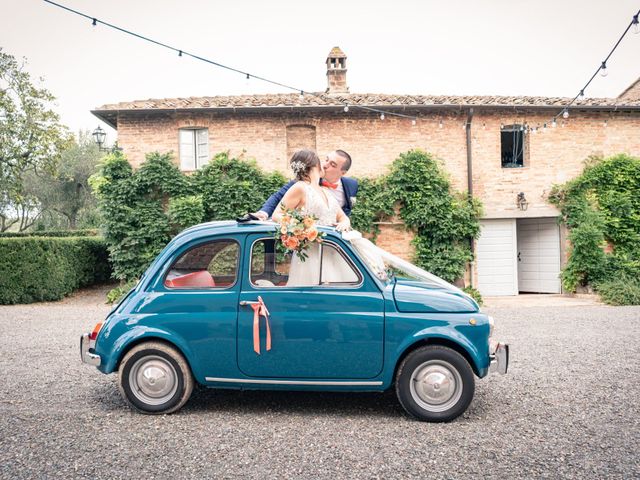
187	150
203	147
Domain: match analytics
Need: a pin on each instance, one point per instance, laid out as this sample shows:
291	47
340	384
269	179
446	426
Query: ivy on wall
144	208
443	221
601	208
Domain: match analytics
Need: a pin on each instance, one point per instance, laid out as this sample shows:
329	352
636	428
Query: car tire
155	378
435	384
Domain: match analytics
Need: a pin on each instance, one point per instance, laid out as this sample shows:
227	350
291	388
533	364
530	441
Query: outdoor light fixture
565	113
636	24
521	202
603	69
99	136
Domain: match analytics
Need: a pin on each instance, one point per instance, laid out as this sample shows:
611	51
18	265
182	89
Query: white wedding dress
324	206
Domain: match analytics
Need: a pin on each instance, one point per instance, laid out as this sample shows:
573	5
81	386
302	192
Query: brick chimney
337	71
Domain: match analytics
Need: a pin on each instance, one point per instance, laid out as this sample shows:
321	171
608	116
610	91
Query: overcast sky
473	47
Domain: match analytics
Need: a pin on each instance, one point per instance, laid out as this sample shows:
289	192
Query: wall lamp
99	136
522	202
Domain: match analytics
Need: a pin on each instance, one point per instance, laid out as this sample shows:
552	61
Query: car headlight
492	324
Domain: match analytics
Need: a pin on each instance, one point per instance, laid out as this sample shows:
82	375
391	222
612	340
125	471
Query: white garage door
538	255
496	257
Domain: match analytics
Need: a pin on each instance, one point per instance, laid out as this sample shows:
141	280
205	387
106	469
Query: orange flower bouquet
297	232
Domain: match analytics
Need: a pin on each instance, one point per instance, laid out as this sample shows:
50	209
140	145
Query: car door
332	330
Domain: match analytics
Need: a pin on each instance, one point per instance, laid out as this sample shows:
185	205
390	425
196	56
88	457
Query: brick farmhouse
505	150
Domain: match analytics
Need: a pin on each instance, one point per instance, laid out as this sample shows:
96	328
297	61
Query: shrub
443	221
473	293
34	269
143	209
620	291
601	208
52	233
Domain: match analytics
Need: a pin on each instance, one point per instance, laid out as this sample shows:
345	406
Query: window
328	265
213	264
512	146
194	148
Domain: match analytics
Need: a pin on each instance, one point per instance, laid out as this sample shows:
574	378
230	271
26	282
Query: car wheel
155	378
435	384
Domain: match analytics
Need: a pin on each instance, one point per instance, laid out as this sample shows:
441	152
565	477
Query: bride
310	198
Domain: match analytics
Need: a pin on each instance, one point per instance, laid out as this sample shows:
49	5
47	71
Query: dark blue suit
349	186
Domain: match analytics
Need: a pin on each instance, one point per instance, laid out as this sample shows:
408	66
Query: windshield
387	266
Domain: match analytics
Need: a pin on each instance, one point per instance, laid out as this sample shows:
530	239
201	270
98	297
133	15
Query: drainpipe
470	184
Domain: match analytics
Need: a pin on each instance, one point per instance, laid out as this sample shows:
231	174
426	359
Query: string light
635	23
301	97
603	69
606	122
440	124
554	124
413	122
346	108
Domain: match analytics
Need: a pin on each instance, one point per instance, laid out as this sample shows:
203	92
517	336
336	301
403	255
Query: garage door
496	257
538	255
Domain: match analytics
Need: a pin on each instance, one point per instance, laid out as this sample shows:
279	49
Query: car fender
443	333
140	333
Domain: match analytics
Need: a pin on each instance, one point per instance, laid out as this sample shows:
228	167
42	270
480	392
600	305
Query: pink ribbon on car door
260	309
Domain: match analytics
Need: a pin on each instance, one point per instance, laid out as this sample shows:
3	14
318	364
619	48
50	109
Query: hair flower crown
297	166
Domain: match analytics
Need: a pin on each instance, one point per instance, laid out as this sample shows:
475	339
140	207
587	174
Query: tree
66	193
31	141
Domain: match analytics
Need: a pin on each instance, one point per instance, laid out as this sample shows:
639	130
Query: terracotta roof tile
354	99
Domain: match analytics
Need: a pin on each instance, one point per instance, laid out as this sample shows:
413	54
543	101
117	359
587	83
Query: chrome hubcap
153	380
436	385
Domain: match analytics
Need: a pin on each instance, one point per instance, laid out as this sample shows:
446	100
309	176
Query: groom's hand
261	215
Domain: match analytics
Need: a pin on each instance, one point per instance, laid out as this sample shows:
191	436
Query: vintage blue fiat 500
215	308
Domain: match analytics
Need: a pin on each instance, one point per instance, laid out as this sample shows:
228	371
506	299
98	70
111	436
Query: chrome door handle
244	303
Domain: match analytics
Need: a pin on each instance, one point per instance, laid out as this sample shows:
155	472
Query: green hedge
34	269
52	233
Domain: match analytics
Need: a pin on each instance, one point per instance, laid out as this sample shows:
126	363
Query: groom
345	189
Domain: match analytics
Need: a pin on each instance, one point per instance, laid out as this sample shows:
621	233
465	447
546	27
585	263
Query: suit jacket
349	186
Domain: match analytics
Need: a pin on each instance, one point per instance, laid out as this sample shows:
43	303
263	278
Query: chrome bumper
85	355
499	358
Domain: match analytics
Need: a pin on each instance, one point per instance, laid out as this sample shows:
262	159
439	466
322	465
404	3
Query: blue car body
323	338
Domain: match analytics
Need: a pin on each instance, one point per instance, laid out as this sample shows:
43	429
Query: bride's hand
344	225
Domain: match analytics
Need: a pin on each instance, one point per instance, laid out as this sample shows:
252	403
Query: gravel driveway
568	408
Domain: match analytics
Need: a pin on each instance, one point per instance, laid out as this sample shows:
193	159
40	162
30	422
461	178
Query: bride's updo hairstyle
302	162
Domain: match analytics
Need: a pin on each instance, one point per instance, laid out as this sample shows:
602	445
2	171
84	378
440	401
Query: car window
209	265
327	265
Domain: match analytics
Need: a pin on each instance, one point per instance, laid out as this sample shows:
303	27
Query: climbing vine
601	208
143	209
442	221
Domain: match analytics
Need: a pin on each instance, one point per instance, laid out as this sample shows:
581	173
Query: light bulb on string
565	113
301	97
382	116
581	94
346	108
413	121
606	122
636	24
544	127
554	124
440	124
603	69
